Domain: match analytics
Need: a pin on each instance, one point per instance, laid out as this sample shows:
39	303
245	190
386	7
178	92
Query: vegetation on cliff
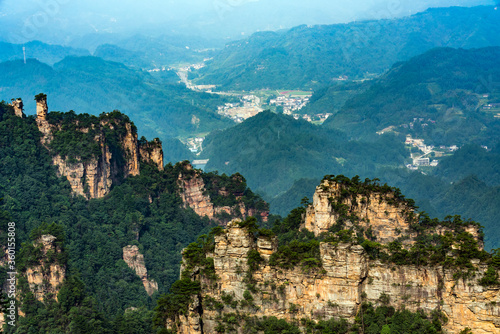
145	210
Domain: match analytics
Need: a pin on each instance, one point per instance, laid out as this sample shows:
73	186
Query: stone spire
41	106
18	107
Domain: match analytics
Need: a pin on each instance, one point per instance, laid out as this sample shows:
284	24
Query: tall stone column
18	107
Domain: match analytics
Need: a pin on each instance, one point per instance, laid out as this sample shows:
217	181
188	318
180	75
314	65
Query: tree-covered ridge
273	150
166	110
232	191
144	210
78	137
444	96
305	57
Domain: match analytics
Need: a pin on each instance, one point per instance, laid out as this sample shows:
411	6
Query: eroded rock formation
387	218
117	159
135	261
194	194
347	276
18	106
152	152
45	279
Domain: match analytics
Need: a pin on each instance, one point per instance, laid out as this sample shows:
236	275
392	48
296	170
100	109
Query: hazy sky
62	20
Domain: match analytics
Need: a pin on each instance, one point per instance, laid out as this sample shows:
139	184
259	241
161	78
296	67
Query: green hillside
45	53
160	109
308	57
442	96
144	210
273	151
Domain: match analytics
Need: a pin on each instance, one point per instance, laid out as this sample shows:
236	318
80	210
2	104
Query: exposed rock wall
387	220
347	278
192	192
152	152
131	148
135	261
382	214
18	106
93	178
45	279
41	120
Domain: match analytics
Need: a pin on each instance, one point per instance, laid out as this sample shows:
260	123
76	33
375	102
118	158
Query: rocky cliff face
152	152
44	280
18	106
387	218
347	277
381	215
45	128
194	194
119	156
135	261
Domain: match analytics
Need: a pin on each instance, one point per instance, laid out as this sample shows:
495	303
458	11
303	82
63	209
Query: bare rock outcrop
382	213
346	279
18	106
152	152
194	194
45	279
117	159
135	261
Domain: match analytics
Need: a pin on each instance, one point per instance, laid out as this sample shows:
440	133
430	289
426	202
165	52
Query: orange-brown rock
18	106
41	120
346	279
387	219
152	152
192	192
135	261
93	178
45	280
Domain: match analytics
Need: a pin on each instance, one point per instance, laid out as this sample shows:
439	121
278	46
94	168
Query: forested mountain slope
160	109
308	57
95	244
445	96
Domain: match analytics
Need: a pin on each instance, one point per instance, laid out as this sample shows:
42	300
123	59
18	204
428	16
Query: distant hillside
157	52
92	85
443	96
305	57
472	160
44	53
273	151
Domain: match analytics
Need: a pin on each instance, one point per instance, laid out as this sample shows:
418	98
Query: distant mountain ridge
306	57
449	92
93	85
45	53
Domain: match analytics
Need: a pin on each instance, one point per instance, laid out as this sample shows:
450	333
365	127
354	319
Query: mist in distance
88	22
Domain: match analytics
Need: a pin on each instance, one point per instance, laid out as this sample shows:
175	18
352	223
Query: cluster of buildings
421	121
313	118
422	159
248	106
289	103
195	145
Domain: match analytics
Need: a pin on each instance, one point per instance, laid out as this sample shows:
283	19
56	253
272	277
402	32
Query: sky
66	21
